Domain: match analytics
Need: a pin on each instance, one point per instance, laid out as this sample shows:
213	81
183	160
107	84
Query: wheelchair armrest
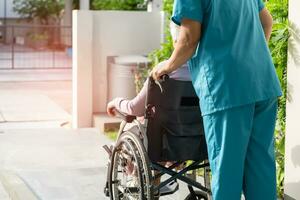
124	116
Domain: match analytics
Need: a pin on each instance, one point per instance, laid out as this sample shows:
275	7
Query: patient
136	106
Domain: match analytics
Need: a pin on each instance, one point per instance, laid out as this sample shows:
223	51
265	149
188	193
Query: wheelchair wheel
199	195
130	175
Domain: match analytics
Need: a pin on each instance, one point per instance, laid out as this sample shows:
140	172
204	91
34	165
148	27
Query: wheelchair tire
199	195
130	145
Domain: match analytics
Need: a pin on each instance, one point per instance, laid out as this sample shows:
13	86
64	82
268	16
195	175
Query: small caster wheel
106	190
199	195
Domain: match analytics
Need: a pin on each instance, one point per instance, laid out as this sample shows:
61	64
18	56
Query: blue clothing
241	151
232	65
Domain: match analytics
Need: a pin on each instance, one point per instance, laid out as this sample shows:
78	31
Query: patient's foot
129	169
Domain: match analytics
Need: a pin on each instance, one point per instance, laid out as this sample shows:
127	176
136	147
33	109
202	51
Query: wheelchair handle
148	107
159	81
161	78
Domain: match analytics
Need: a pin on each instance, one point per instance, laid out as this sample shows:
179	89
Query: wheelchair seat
174	129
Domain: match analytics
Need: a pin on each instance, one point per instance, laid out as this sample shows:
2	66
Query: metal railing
35	47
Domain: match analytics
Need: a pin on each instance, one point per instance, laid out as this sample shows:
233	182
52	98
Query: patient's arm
135	107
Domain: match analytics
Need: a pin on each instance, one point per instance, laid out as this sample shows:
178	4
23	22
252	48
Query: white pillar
292	145
84	4
82	69
155	6
67	19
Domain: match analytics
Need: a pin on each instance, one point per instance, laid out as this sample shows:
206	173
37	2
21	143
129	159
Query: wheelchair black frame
162	170
179	175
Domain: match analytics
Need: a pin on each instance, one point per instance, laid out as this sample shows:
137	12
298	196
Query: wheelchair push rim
130	176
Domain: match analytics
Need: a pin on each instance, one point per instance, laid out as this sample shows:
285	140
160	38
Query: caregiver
225	42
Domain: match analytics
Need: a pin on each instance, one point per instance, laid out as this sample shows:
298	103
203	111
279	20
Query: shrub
45	11
118	5
279	47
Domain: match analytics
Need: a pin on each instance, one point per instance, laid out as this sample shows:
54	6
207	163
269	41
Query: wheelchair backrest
175	120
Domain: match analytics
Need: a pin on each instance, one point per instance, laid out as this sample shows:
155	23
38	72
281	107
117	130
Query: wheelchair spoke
130	177
125	177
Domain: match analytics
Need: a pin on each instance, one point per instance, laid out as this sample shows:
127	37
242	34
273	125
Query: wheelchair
172	132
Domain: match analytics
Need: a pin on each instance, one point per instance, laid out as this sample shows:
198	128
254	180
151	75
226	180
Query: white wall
112	33
292	154
120	33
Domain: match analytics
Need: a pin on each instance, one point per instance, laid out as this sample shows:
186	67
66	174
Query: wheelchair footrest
171	188
108	149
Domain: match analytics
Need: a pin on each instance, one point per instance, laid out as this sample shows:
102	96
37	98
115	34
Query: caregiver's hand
157	72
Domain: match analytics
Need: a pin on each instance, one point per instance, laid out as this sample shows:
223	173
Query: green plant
279	47
38	36
140	76
112	135
45	11
166	49
75	4
117	5
157	55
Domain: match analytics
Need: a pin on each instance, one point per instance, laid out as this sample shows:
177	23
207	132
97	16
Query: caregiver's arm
190	33
266	22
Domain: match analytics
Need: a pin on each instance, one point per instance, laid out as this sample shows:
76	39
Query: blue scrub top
232	65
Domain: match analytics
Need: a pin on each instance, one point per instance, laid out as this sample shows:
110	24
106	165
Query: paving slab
3	193
15	187
35	75
83	183
20	107
31	125
51	149
1	117
55	163
58	91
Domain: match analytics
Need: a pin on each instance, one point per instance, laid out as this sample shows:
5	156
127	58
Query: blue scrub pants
240	144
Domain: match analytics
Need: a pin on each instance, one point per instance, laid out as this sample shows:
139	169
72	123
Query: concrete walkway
3	193
35	98
55	164
21	107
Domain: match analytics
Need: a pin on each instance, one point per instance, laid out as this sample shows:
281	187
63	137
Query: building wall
112	33
9	9
292	146
120	33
